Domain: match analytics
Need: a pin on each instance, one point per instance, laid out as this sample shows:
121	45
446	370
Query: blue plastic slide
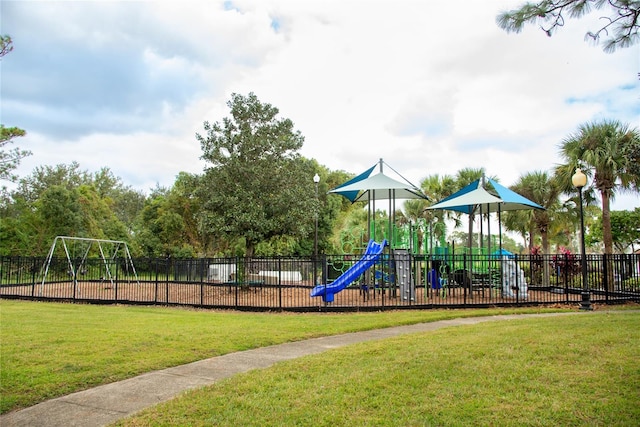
371	255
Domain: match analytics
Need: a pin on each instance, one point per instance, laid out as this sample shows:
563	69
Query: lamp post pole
316	181
579	180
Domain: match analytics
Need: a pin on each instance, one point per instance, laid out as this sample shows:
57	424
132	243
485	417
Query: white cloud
429	87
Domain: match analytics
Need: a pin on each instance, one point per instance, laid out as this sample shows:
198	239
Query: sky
429	86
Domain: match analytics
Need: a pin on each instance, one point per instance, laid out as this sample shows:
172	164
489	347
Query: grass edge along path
565	370
52	349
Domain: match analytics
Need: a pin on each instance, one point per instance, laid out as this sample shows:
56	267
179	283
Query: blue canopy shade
474	198
467	199
353	194
367	187
512	200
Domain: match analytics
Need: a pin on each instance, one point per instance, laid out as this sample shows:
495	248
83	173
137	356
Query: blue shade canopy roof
352	194
474	198
512	200
467	199
367	187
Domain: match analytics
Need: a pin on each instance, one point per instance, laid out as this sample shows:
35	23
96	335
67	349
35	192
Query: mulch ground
267	296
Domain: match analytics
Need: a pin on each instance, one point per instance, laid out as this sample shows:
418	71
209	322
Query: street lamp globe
579	179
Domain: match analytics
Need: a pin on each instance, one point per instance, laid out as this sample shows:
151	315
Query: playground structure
437	266
406	265
76	254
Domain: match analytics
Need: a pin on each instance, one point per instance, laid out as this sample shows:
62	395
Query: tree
60	200
60	212
599	149
163	227
625	229
9	160
6	45
542	189
632	152
620	26
257	186
69	176
436	187
125	202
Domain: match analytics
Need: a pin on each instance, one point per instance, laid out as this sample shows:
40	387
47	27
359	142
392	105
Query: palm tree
542	189
465	177
520	222
438	187
599	148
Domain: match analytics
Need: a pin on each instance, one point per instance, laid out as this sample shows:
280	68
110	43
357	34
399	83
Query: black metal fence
395	281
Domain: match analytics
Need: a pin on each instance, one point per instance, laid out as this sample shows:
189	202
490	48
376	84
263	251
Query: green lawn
565	371
49	350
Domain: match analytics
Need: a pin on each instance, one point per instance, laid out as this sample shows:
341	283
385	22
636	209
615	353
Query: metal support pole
585	303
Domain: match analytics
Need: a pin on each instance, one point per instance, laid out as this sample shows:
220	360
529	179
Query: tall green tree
599	149
620	26
10	159
60	200
541	188
256	186
625	228
125	202
69	176
436	187
60	212
165	228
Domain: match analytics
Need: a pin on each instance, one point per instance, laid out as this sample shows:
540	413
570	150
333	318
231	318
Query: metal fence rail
395	281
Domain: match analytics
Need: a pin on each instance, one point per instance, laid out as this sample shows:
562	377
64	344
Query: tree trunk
250	249
545	251
607	237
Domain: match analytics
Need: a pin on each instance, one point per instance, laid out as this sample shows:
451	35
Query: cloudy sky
428	86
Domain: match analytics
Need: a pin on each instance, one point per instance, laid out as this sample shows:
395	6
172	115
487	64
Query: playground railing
284	283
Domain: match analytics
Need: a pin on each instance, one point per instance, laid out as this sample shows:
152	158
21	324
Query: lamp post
579	180
316	181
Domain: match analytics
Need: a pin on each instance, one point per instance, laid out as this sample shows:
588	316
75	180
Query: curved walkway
108	403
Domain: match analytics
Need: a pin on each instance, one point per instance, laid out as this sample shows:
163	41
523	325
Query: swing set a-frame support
107	256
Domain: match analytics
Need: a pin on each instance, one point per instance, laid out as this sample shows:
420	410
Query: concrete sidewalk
108	403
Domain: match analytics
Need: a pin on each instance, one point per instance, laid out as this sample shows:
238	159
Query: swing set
108	249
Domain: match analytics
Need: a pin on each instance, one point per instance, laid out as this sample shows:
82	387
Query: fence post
565	275
155	297
279	282
466	275
166	283
605	278
203	266
34	271
239	277
116	284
